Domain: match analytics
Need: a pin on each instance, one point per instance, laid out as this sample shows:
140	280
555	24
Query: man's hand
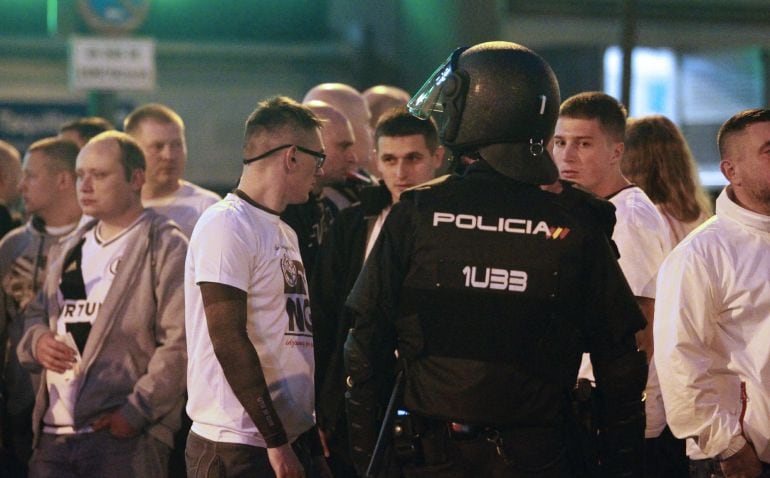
284	462
116	424
54	355
743	464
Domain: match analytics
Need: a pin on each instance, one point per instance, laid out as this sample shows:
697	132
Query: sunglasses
319	156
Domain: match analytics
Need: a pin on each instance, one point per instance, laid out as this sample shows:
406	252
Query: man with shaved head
352	104
382	98
340	141
312	219
10	173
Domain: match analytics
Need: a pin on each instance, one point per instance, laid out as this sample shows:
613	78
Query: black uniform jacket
490	290
337	266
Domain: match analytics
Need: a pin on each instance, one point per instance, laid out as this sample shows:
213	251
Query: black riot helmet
496	93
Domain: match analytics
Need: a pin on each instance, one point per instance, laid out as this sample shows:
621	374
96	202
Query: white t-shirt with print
240	245
97	268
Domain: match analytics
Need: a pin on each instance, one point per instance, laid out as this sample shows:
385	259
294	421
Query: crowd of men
150	328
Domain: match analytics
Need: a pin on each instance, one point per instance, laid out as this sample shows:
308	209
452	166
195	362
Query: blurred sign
21	123
112	64
114	16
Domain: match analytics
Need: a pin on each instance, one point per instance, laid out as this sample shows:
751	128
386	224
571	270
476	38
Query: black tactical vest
495	304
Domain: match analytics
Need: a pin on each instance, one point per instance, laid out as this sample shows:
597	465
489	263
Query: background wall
216	60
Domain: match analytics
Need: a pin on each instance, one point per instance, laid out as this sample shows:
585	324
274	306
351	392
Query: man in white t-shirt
107	329
587	148
247	315
160	132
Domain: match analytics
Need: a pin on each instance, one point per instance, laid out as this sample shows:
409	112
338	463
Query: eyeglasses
320	157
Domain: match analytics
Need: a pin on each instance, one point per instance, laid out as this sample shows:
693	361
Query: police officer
489	288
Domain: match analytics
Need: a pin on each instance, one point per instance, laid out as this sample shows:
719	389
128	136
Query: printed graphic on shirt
84	285
19	283
300	326
500	224
87	276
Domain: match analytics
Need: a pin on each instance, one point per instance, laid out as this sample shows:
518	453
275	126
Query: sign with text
112	64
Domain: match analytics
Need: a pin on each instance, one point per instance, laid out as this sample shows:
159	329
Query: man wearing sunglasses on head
249	331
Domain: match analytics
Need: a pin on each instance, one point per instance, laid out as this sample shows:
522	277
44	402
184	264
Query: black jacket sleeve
620	369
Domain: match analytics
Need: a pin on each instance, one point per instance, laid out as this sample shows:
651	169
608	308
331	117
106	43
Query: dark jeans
711	469
210	459
98	454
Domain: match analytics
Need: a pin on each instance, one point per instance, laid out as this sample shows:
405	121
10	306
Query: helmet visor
427	99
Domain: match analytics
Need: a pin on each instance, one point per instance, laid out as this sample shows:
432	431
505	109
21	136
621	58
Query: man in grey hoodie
48	189
108	329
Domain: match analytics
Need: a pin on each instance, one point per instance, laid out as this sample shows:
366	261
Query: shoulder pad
414	192
588	206
432	182
374	199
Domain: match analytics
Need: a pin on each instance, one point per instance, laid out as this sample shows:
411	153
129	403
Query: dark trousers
340	466
520	453
17	444
711	469
176	462
339	460
98	454
210	459
665	456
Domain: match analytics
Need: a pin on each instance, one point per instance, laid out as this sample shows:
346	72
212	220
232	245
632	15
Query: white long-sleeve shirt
712	330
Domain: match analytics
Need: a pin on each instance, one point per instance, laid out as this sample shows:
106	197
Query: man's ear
137	179
728	169
617	152
438	156
290	159
64	180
